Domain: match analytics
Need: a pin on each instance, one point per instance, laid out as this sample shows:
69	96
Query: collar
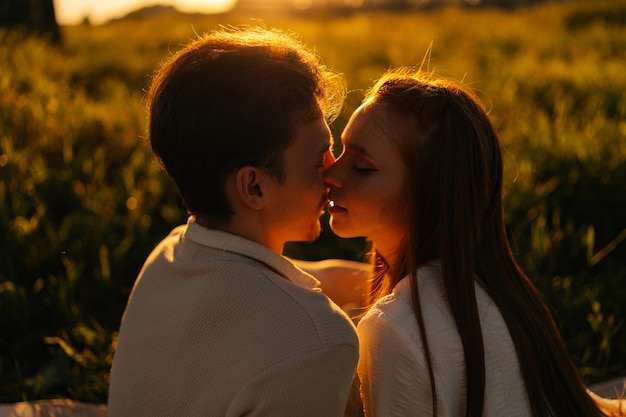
221	240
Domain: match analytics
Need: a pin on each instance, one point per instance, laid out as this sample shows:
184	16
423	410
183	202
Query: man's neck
253	231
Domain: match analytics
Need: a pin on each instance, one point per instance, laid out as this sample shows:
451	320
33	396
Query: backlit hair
230	99
453	161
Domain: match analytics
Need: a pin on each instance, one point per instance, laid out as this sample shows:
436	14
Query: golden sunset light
217	206
72	12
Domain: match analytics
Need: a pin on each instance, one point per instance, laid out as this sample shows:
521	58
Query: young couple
220	324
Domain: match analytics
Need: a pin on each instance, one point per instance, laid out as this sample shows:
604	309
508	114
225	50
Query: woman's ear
249	184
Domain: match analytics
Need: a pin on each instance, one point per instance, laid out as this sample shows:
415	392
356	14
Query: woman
456	327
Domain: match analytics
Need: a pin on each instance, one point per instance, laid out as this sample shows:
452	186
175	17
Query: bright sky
72	12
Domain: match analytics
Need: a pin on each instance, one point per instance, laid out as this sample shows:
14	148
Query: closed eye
362	170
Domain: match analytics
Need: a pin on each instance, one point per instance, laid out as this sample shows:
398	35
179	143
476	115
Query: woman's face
367	194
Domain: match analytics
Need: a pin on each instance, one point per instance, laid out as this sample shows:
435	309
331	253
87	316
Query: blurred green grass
82	201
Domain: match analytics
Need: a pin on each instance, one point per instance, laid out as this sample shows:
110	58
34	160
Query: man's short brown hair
231	99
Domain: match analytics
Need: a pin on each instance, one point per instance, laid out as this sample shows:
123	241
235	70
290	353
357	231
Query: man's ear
249	183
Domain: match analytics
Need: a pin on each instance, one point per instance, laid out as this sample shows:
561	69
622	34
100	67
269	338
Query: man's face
296	205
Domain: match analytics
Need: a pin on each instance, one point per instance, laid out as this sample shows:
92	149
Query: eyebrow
359	149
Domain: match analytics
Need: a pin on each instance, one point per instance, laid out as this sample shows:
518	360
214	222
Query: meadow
83	202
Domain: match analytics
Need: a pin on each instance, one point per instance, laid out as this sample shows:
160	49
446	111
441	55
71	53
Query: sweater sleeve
312	384
394	380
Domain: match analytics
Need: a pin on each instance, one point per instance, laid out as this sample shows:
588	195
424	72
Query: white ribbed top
393	368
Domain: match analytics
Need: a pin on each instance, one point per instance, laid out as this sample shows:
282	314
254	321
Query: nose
329	159
330	175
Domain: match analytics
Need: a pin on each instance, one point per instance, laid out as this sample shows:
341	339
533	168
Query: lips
334	208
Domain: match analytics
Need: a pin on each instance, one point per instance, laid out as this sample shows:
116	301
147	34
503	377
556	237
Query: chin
344	235
339	231
315	232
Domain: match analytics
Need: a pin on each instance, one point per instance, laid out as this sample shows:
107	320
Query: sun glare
206	6
71	12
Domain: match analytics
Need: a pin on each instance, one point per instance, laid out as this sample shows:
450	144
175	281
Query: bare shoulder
612	407
343	281
333	264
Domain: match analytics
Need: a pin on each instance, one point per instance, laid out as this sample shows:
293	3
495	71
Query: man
218	323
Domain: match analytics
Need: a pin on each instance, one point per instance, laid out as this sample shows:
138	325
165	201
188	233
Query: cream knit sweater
393	369
218	325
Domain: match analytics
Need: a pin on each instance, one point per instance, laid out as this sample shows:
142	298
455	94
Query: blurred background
83	202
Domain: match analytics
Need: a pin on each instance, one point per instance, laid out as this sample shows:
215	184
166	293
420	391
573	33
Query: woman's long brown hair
453	159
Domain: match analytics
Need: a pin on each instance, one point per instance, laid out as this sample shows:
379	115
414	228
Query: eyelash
363	170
